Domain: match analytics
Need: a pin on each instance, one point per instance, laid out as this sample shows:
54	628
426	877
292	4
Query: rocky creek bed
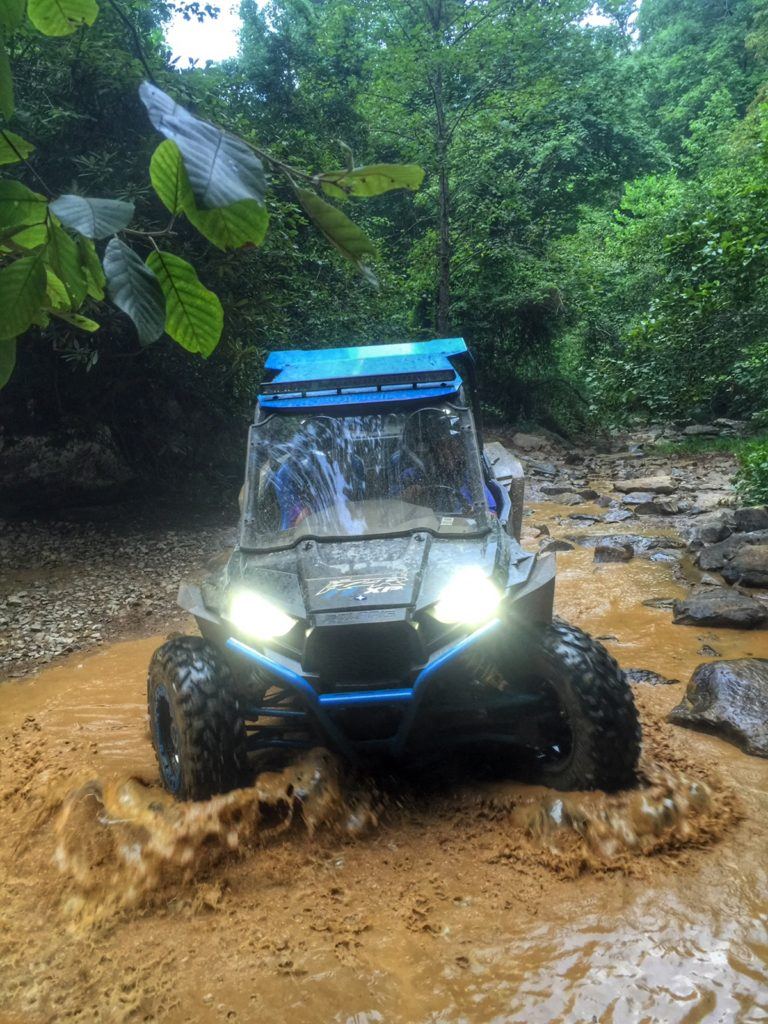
450	897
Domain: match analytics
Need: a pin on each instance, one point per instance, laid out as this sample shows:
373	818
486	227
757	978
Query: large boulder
61	471
747	520
711	528
607	551
528	442
701	430
719	606
640	543
716	555
748	566
654	484
729	698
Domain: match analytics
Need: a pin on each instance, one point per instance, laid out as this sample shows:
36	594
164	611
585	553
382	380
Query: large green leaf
135	289
371	180
64	259
11	15
56	294
221	168
169	178
61	17
24	238
13	148
6	82
83	322
22	293
351	241
19	207
194	315
7	360
89	262
94	218
231	227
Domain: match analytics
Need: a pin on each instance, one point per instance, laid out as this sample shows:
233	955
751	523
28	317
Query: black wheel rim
167	740
555	747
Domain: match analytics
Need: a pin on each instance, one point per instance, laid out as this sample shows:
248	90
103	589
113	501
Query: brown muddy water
369	903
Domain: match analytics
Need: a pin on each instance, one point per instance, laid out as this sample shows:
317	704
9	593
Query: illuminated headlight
255	616
470	597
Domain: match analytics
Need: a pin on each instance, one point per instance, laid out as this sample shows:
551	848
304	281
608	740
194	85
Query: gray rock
642	544
668	507
719	606
617	515
637	497
614	552
701	430
62	471
653	484
716	555
528	442
542	468
644	675
729	698
555	545
748	566
566	498
711	528
747	520
573	459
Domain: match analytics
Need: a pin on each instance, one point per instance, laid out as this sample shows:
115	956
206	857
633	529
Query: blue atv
378	601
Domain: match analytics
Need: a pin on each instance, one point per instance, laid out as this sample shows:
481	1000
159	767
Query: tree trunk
442	318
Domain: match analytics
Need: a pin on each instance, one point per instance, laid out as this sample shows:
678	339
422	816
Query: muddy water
474	901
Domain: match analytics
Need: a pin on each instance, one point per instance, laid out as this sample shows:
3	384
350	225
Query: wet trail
472	900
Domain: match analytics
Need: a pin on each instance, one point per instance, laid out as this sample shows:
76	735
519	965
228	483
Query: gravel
65	587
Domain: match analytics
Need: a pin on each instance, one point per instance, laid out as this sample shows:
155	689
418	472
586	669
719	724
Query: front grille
363	656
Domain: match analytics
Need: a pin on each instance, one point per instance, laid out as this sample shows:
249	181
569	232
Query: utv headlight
470	597
255	616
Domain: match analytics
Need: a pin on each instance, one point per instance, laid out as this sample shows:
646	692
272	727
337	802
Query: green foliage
752	478
7	360
22	293
61	17
194	317
349	239
13	148
371	181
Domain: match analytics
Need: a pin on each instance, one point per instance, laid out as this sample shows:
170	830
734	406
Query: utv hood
321	577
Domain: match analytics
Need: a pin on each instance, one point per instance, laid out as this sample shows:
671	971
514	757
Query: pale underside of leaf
135	290
221	168
94	218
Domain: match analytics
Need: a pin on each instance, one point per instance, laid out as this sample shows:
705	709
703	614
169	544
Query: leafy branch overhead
214	179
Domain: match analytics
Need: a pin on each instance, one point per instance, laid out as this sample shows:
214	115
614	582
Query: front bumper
319	708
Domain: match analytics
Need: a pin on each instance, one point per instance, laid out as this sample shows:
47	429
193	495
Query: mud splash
123	843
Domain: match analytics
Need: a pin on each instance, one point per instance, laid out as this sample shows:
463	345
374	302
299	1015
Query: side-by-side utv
378	601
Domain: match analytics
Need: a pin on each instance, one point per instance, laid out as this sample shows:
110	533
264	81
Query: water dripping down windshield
370	475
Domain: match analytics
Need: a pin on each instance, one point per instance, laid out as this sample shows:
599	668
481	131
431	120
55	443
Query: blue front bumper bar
317	705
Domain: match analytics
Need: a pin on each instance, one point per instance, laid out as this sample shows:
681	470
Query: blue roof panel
363	375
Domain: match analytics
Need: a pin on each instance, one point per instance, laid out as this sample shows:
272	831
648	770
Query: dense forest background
593	219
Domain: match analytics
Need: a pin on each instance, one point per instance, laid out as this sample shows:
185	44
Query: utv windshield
359	476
